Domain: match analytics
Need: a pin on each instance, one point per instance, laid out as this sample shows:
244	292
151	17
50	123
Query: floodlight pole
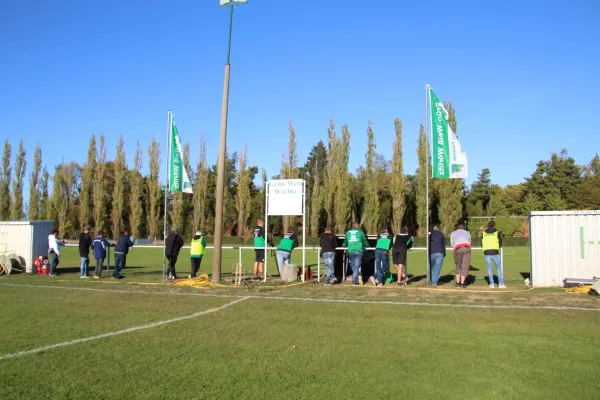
216	276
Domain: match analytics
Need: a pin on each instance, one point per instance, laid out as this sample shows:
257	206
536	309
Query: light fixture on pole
216	277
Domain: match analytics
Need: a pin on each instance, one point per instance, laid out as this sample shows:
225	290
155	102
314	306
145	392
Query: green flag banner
448	158
179	180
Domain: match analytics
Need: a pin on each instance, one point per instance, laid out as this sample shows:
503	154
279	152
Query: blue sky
523	76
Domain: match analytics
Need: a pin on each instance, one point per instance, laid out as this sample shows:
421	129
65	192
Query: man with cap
85	243
196	252
173	243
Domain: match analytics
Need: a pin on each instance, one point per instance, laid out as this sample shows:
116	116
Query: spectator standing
173	244
54	251
402	243
124	242
328	243
491	241
382	258
100	244
85	243
197	250
356	242
460	240
437	253
259	249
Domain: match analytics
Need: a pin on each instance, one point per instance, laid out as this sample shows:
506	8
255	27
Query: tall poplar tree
154	191
135	196
88	171
289	168
330	184
343	200
398	189
316	202
99	186
243	199
118	203
422	171
370	215
45	206
5	177
201	189
20	169
34	185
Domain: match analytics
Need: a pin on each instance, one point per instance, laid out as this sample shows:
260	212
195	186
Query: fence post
318	266
240	266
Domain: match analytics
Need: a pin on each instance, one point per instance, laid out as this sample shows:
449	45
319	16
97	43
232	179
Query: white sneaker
492	286
502	286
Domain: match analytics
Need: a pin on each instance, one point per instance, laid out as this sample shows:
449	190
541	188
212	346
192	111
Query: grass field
140	338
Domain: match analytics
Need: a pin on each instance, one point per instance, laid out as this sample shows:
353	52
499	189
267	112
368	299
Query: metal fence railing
313	248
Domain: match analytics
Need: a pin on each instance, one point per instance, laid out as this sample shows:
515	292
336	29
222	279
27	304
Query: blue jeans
282	257
436	261
496	259
85	262
53	262
382	262
119	264
355	262
328	259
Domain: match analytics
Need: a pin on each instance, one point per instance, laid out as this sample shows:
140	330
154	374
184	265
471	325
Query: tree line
109	195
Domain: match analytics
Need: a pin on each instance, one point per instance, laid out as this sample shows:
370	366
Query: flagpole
427	263
166	193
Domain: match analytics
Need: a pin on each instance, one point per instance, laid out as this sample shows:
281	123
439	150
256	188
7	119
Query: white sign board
285	197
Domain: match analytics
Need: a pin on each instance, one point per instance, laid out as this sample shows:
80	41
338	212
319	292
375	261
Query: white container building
564	244
26	240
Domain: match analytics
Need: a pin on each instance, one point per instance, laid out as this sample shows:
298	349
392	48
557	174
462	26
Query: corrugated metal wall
16	237
40	233
564	245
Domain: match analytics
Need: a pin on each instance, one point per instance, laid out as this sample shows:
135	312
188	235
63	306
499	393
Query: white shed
26	240
564	244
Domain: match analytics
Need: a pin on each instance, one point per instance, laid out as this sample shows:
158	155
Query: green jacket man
288	242
356	242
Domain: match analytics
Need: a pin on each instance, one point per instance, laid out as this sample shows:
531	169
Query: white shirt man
54	250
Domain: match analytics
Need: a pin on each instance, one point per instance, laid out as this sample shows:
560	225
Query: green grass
343	350
350	351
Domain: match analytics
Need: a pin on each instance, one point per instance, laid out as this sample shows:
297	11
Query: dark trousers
172	262
99	265
195	266
53	262
123	261
119	264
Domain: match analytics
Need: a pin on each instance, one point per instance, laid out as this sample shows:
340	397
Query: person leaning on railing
288	242
460	240
328	243
356	242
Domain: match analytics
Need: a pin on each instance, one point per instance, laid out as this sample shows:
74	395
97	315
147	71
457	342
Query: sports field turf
350	343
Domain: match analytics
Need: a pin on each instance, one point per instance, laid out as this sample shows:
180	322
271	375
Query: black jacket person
173	244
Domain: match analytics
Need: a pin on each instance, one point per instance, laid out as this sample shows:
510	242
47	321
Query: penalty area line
318	300
120	332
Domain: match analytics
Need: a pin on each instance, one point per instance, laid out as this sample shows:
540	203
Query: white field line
109	334
310	299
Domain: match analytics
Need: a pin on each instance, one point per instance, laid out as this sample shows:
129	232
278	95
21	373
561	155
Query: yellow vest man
491	241
196	252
